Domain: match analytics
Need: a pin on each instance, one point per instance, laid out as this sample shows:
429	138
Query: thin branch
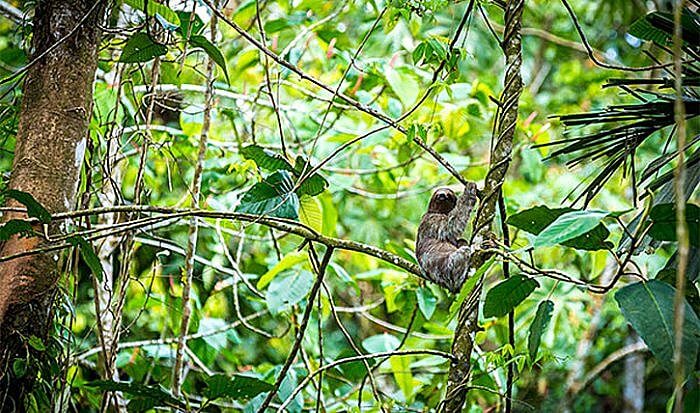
194	225
302	327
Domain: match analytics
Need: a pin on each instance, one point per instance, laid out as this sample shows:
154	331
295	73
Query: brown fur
442	255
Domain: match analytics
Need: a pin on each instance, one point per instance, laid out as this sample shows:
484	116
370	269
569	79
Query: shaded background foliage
374	192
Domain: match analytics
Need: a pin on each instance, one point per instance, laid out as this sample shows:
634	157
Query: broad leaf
88	254
140	48
273	196
34	208
506	295
154	8
312	185
426	302
539	324
288	290
536	219
265	158
235	387
648	307
663	228
310	213
569	226
212	51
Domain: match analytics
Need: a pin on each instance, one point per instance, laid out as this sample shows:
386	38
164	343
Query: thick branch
500	160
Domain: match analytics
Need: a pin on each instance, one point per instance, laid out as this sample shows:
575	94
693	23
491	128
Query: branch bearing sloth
442	255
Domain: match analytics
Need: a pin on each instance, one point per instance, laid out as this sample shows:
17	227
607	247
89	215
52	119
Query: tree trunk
51	142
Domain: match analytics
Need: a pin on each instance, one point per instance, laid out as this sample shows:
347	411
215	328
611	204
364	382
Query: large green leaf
648	307
663	228
506	295
140	48
288	290
265	158
312	185
211	50
271	161
235	387
536	219
154	8
539	324
273	196
34	208
569	226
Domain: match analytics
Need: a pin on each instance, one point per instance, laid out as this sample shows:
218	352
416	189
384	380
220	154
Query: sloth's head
443	201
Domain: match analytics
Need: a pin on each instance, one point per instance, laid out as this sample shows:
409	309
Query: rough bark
50	144
467	324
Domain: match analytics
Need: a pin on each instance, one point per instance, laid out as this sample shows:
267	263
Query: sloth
442	255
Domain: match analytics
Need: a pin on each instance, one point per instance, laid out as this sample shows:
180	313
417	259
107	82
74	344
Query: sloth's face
443	201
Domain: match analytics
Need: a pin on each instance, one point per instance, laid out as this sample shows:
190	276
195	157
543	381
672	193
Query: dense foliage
302	174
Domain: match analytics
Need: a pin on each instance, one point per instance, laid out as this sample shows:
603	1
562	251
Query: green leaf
569	226
154	8
36	343
401	369
88	254
19	367
663	228
506	295
185	18
404	84
236	387
155	396
287	262
381	343
648	307
273	197
34	208
312	185
539	324
15	226
212	51
288	290
536	219
266	159
310	213
140	48
426	302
